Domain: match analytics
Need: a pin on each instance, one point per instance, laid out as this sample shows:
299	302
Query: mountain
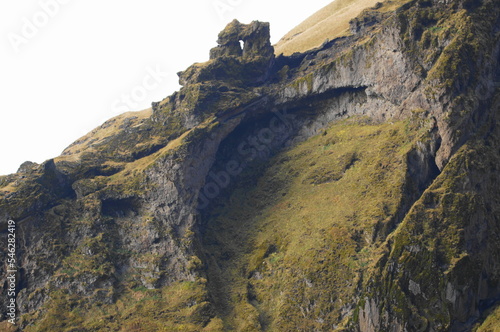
344	181
329	23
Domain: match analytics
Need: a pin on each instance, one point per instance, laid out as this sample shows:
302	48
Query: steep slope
289	248
350	187
329	23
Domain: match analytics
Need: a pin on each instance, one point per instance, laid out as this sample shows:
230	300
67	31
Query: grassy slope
308	221
492	323
428	246
179	307
328	23
103	132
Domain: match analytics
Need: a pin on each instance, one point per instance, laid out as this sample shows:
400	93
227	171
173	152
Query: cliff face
350	187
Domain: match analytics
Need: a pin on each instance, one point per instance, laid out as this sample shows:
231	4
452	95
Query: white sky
72	68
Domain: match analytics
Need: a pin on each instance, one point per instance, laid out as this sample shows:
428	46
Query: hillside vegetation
329	23
353	186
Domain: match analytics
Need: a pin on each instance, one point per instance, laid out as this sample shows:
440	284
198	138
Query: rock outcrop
254	37
351	187
244	54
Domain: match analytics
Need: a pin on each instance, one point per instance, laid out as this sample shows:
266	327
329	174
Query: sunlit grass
312	217
330	22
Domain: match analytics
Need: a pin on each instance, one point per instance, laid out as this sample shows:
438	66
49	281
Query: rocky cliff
350	187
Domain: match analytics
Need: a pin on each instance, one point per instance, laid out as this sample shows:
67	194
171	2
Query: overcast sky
69	65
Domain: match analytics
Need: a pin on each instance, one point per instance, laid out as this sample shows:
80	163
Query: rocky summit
353	185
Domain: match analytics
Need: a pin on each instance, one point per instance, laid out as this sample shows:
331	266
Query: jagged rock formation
255	38
351	187
248	65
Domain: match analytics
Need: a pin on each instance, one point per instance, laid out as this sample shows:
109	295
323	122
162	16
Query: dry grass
492	323
97	135
7	327
9	188
330	22
311	216
179	307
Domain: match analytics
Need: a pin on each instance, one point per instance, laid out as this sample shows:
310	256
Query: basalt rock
187	216
244	56
254	36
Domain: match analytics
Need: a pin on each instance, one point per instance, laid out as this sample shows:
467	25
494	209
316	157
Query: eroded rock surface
131	215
